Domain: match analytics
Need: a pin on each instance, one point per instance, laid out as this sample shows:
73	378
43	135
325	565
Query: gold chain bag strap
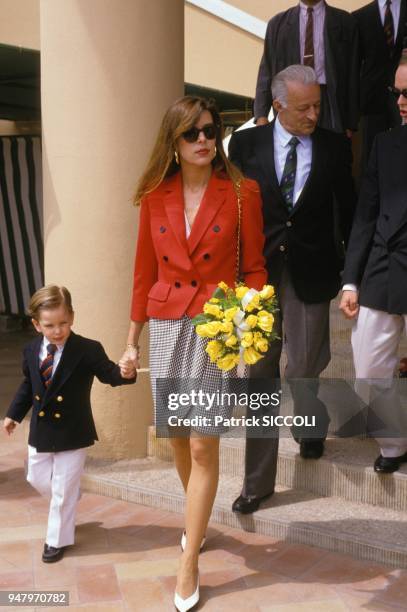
239	222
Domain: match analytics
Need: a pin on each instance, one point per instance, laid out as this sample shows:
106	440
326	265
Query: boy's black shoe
51	554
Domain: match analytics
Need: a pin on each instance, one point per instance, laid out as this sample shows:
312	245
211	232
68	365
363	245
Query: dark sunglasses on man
192	134
397	92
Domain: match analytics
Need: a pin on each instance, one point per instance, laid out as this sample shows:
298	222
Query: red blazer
174	275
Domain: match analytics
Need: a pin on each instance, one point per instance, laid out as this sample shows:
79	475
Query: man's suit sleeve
252	261
354	77
234	151
104	369
263	98
344	186
365	223
22	401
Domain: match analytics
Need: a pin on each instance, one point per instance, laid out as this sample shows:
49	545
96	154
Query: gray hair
296	73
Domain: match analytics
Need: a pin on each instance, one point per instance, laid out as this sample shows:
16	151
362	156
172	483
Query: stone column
109	70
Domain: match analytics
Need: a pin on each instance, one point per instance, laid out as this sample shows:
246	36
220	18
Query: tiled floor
126	558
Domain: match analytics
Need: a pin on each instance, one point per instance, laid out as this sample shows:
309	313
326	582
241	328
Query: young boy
59	367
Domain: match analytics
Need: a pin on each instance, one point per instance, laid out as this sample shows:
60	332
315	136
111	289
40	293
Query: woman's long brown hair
180	117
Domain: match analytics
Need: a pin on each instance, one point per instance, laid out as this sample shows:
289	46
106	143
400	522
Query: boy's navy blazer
61	414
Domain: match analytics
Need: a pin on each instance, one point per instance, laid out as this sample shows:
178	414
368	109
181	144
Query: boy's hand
128	366
9	425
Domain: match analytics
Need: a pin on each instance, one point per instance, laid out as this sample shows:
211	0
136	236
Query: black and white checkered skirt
179	364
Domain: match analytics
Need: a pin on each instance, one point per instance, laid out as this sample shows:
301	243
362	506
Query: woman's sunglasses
192	134
398	92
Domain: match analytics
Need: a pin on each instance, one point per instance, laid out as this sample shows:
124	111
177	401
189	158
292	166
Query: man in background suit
382	28
375	276
301	171
325	38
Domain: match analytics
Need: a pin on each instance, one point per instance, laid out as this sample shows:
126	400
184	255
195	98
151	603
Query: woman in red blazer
187	244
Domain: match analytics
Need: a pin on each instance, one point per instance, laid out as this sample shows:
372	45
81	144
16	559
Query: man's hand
9	425
349	304
262	121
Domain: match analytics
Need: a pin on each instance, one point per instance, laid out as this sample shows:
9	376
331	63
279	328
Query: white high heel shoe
183	605
184	542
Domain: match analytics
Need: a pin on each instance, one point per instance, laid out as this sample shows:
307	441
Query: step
344	471
361	530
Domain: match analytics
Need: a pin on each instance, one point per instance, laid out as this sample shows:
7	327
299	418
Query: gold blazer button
37	397
60	398
41	413
57	415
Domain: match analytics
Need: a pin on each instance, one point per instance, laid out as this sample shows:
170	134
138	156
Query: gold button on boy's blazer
37	397
41	413
57	415
60	398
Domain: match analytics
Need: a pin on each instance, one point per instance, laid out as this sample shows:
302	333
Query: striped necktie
47	365
309	39
388	26
288	179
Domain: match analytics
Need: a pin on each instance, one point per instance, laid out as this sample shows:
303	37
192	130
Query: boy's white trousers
57	476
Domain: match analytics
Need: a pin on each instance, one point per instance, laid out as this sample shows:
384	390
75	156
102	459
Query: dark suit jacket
67	396
376	260
282	48
377	65
305	239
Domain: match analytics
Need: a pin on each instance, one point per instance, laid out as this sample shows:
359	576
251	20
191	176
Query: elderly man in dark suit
382	30
304	174
325	38
375	275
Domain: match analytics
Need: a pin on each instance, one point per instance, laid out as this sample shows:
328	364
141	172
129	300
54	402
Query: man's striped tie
309	59
389	27
47	365
290	169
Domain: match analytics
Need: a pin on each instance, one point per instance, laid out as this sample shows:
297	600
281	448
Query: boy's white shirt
57	355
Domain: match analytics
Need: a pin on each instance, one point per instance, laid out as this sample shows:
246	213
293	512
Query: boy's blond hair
50	296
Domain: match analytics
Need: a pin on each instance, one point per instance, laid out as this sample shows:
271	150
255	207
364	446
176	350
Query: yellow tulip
208	330
231	341
251	321
228	362
254	303
251	356
213	310
226	327
214	348
261	345
267	292
247	339
241	292
223	286
230	313
214	301
265	320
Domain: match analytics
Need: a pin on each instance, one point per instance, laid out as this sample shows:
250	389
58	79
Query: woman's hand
129	362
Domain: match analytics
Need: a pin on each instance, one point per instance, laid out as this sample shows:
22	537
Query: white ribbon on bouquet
242	327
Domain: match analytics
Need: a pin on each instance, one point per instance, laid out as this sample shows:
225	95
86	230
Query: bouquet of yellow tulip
240	324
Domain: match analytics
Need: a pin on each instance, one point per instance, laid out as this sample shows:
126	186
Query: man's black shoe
247	505
51	554
311	449
387	465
